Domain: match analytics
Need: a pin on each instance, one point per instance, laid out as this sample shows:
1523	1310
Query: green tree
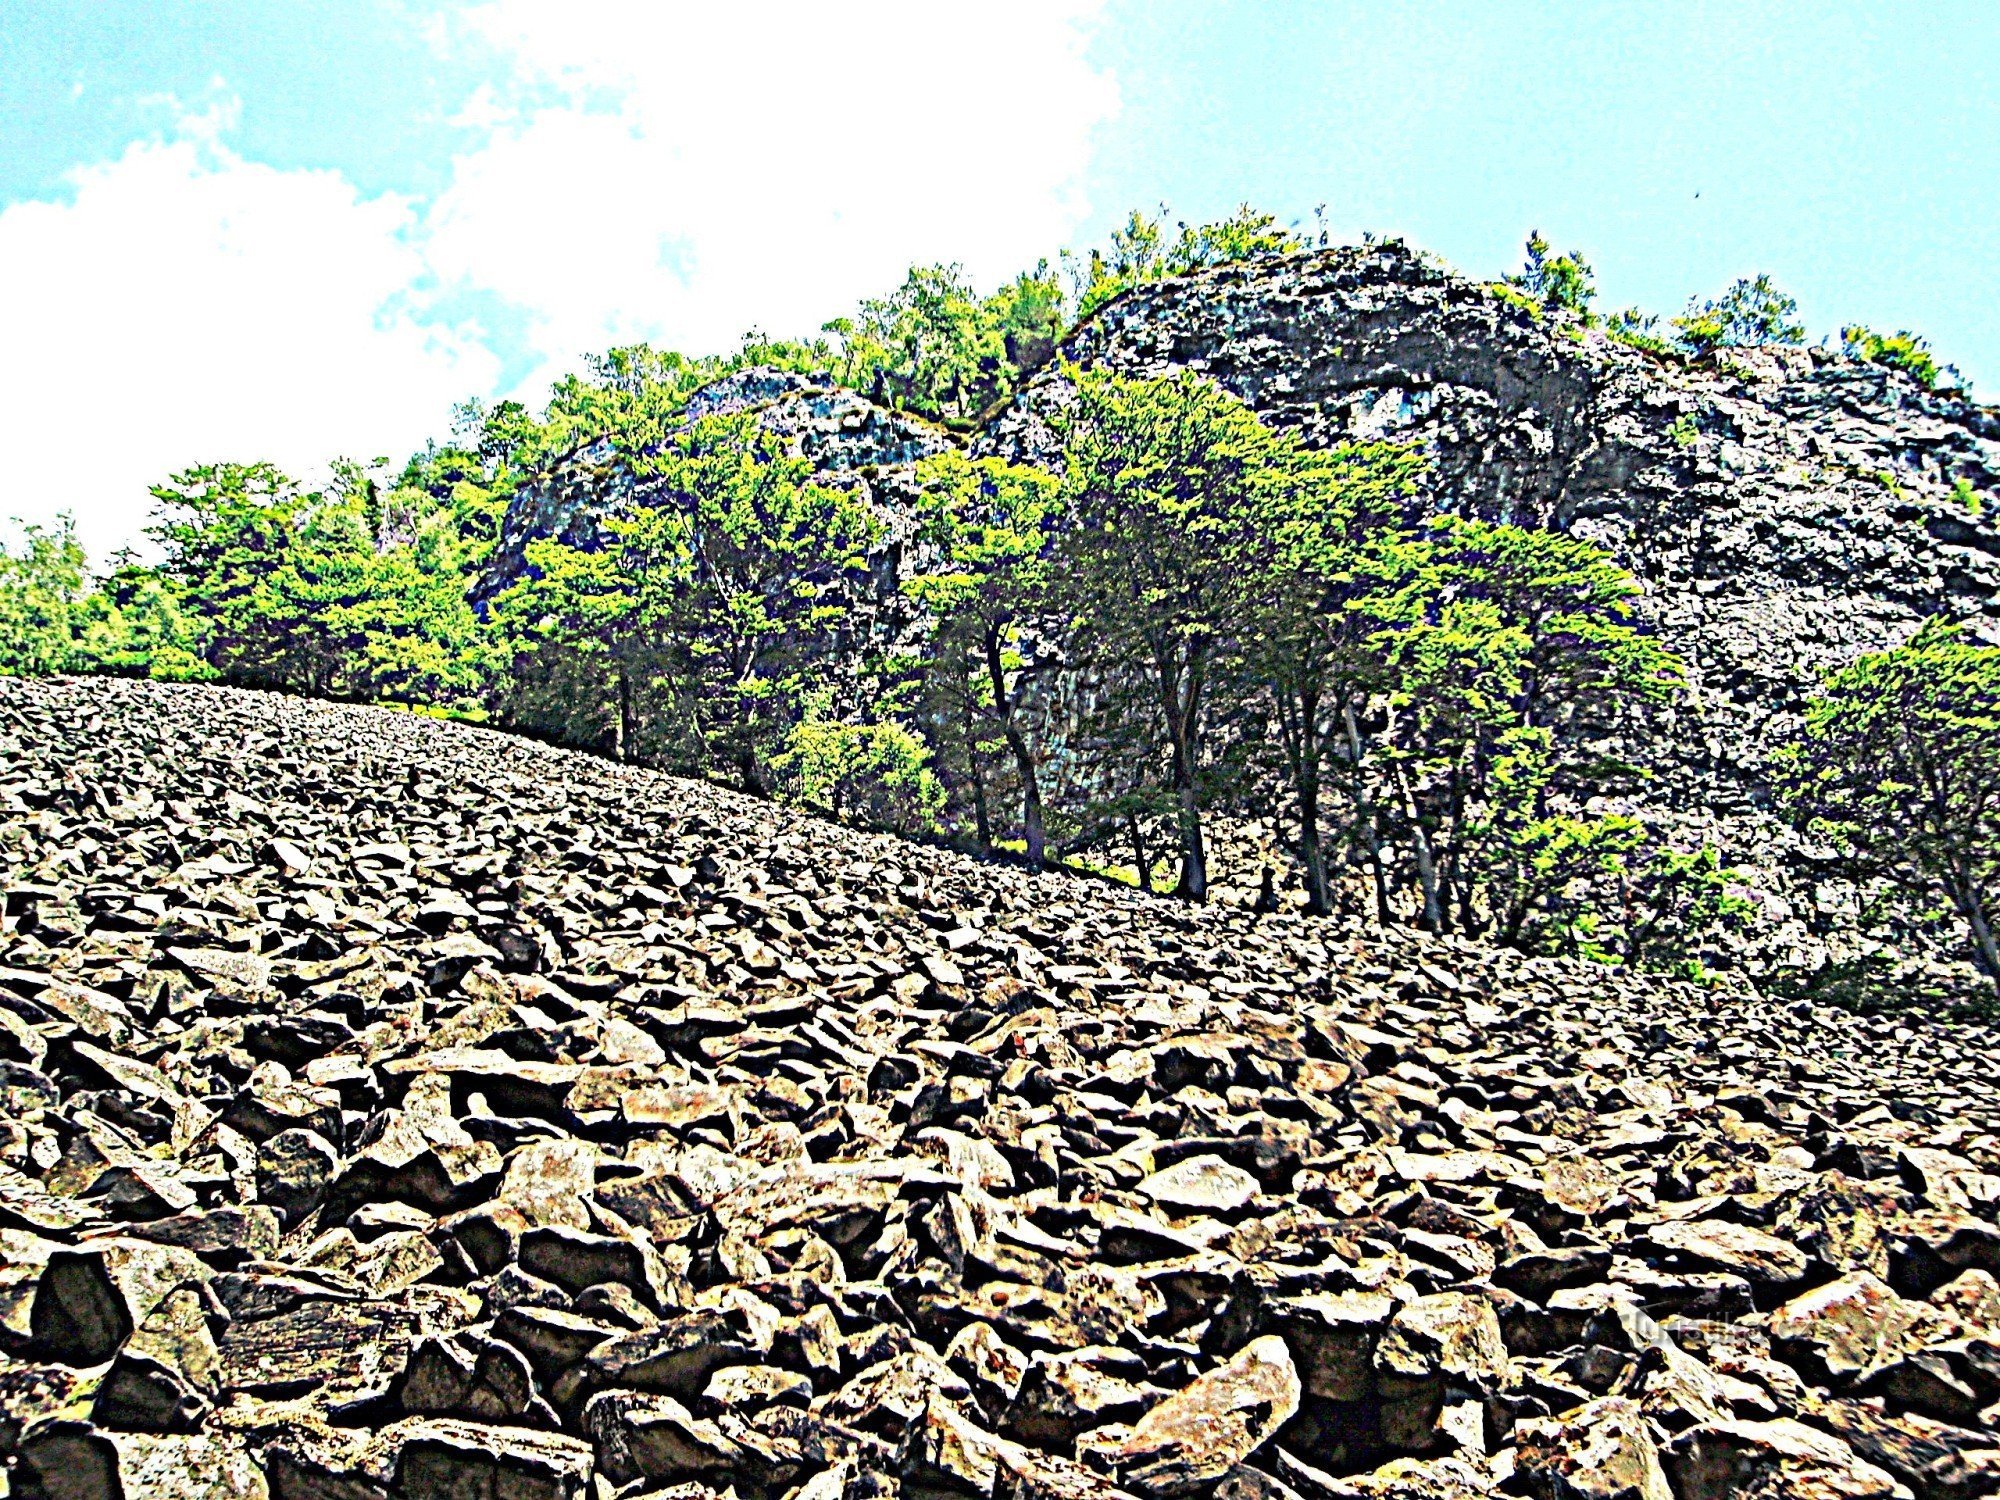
43	588
712	595
1559	282
872	775
353	591
258	560
1141	252
1161	484
1512	653
1898	763
1305	560
931	345
989	528
133	625
1752	312
1028	314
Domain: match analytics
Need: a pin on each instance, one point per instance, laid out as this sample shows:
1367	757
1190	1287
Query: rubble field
393	1108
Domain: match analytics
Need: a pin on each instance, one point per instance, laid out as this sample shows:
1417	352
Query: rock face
396	1109
1787	510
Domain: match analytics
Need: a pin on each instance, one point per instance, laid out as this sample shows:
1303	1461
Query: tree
1307	639
931	345
260	562
1559	282
1750	313
1898	763
712	594
43	587
1160	483
133	625
1141	252
989	526
1511	653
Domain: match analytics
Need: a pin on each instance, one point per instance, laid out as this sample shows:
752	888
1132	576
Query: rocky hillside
1787	509
396	1109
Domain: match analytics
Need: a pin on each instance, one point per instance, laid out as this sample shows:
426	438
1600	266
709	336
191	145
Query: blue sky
300	228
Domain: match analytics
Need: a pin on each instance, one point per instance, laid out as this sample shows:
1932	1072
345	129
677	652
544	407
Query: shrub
1639	329
1751	313
1903	351
872	775
1563	283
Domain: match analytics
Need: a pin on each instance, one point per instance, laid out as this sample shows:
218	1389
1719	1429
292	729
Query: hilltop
397	1108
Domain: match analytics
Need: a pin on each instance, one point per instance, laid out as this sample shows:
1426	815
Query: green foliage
872	775
1307	561
295	589
42	591
1963	492
1561	283
1676	901
1511	651
705	602
987	530
1517	299
132	624
1162	481
1141	252
1903	351
1639	329
1752	312
1683	431
1898	764
931	345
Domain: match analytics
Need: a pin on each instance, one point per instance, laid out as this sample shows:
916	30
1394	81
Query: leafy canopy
1898	764
1752	312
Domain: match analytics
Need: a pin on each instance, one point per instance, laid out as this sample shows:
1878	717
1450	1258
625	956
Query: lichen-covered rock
1199	1434
1602	1450
1727	1460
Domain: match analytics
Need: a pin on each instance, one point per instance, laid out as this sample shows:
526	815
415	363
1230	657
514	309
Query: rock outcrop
398	1109
1787	509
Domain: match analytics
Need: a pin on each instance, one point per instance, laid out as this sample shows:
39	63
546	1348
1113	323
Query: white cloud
639	169
187	306
692	170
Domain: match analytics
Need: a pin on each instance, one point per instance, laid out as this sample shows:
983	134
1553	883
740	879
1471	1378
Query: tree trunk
1364	816
1193	884
1319	898
980	815
1142	857
1033	828
621	746
1986	951
1181	709
1420	842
